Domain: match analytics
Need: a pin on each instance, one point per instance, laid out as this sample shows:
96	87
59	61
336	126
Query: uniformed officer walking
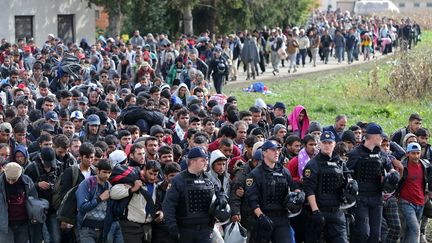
267	187
368	165
188	201
323	183
218	69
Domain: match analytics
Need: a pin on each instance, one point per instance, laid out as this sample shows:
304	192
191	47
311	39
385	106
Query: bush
411	77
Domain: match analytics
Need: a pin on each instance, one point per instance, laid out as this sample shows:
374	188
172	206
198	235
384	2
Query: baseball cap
257	155
327	136
194	119
6	127
83	99
51	115
218	49
93	120
77	115
373	128
413	147
118	157
48	157
12	170
270	144
47	128
279	105
197	152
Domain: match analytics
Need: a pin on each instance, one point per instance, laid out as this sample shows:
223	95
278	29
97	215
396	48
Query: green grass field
357	91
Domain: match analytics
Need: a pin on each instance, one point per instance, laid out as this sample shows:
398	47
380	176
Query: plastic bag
216	236
235	233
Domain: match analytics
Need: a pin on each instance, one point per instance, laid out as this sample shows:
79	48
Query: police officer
368	165
267	187
323	183
188	200
239	207
218	68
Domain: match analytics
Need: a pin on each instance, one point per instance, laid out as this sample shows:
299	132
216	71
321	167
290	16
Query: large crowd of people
130	142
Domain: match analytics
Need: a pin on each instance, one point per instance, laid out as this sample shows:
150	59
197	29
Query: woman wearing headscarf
298	121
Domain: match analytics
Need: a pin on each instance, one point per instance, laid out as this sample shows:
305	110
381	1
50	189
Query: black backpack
56	199
68	209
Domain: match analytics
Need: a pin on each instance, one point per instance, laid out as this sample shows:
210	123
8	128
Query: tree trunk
212	17
115	21
187	19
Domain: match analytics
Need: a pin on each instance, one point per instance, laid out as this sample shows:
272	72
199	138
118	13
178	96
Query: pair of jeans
53	228
115	233
275	60
368	215
411	214
17	233
90	235
340	53
301	55
350	54
292	60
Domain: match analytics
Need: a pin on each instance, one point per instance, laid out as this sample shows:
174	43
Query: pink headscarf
293	121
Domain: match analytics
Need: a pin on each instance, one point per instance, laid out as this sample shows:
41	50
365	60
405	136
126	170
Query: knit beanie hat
315	127
277	128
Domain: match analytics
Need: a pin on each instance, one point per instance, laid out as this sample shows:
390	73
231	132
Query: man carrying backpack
93	219
70	178
44	172
140	210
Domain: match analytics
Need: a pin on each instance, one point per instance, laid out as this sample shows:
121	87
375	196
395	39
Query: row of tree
220	16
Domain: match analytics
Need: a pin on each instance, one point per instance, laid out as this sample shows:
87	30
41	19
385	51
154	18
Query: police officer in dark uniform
368	165
267	187
218	69
240	209
323	182
188	201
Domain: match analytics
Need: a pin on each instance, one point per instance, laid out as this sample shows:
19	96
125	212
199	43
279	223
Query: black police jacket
177	206
361	153
324	177
267	195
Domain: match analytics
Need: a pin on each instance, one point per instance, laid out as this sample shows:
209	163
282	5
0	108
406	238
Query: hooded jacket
222	181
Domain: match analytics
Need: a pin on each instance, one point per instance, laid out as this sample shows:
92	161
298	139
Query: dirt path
305	72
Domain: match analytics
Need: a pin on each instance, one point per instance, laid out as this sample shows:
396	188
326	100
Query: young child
366	44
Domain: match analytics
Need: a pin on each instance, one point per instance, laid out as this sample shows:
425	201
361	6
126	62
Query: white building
70	20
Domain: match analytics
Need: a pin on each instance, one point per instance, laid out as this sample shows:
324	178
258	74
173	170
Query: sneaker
289	70
423	238
274	73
